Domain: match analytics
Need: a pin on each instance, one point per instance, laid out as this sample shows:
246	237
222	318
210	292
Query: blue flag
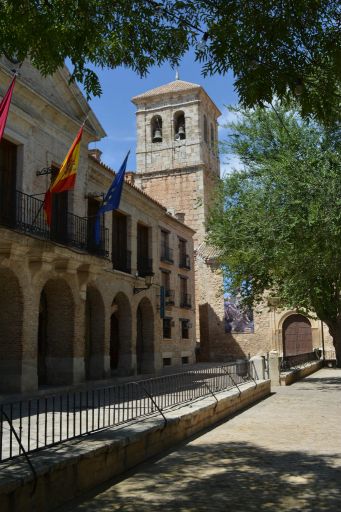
112	198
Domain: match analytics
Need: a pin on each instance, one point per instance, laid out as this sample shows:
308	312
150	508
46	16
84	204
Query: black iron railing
185	300
169	297
297	361
166	253
52	419
121	260
71	230
144	266
184	261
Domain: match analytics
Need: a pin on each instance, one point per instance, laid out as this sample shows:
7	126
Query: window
166	251
184	360
156	129
167	328
184	261
205	129
185	298
120	254
93	206
165	282
8	168
184	328
212	136
167	361
179	126
144	263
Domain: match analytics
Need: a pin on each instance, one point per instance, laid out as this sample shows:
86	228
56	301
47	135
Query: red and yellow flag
66	177
4	106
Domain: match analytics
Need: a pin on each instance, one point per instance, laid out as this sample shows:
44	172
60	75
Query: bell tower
178	165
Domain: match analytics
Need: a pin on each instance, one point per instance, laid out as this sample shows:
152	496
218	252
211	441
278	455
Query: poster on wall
236	318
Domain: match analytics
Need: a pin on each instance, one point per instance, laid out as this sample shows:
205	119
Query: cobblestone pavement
281	455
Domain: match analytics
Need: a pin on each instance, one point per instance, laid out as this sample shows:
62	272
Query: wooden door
119	242
8	167
297	336
142	250
93	207
59	214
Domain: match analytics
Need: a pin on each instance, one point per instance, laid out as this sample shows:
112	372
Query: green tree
277	220
274	48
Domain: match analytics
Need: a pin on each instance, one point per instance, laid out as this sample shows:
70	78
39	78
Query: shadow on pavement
234	477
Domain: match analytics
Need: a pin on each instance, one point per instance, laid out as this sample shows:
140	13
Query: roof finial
177	74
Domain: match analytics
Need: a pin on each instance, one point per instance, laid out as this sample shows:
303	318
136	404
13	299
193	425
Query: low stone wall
287	378
68	470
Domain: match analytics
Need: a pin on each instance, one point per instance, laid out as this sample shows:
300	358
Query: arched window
156	129
205	129
179	126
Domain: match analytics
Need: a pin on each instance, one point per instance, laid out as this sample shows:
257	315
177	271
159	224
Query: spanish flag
66	177
4	106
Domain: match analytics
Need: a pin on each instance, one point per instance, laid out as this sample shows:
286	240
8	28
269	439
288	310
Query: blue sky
117	114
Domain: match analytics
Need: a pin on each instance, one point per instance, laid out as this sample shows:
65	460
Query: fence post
274	367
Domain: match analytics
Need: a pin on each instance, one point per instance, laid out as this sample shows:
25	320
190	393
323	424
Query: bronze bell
157	136
181	133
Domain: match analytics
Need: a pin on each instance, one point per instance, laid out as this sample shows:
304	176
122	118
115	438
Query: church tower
178	165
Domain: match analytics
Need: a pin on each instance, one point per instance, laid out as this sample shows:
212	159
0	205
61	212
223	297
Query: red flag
4	107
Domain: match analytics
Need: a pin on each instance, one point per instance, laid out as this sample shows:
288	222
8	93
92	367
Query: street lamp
148	281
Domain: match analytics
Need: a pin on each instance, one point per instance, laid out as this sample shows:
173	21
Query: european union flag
112	198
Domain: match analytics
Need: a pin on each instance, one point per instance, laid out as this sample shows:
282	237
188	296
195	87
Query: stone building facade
178	165
71	309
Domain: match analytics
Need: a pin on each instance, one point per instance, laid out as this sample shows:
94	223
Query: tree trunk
335	332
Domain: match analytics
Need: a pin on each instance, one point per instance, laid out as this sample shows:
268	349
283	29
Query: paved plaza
283	454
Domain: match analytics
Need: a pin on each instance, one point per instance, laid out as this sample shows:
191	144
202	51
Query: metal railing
121	260
169	297
28	216
51	419
186	300
166	253
184	261
297	361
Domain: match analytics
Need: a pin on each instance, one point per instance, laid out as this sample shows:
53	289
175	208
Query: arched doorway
42	340
55	341
120	335
11	335
144	337
94	335
297	336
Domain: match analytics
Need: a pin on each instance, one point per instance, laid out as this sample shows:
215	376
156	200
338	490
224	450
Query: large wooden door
93	207
8	167
297	337
143	266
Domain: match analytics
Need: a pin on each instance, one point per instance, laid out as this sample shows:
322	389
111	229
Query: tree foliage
274	48
277	221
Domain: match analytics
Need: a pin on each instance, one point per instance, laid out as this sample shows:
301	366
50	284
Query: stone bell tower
178	165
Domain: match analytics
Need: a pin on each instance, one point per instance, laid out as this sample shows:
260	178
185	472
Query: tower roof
175	86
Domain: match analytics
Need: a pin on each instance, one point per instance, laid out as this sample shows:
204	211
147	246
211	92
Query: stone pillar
259	365
274	367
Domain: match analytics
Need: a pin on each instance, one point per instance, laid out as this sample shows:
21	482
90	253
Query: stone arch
11	331
156	128
121	335
94	350
145	337
179	125
297	335
56	333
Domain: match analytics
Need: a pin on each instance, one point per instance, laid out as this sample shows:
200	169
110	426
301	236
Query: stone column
274	367
259	365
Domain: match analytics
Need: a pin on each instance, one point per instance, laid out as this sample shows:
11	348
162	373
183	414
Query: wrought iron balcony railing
166	253
27	215
184	261
169	297
144	266
122	261
185	301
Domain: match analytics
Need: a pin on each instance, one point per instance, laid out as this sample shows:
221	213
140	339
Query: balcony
122	261
144	266
27	215
186	301
166	254
184	261
169	297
